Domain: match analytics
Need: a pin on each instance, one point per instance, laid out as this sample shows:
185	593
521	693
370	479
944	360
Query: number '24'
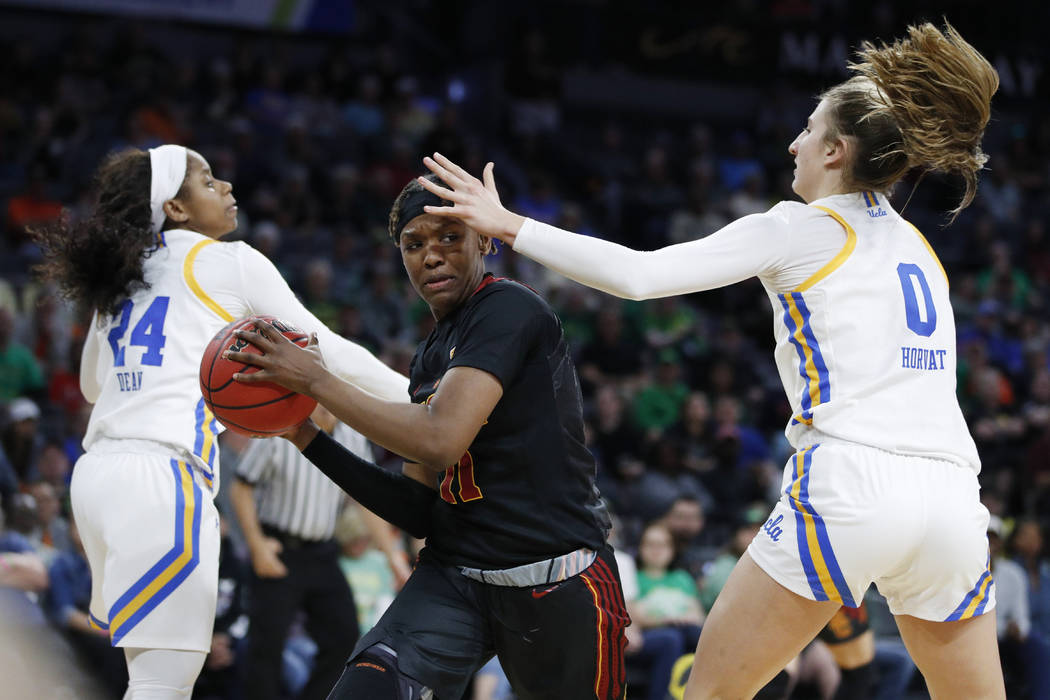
147	333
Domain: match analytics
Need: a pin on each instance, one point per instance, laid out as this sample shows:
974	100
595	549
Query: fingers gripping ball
261	409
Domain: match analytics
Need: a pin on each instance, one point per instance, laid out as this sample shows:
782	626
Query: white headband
167	171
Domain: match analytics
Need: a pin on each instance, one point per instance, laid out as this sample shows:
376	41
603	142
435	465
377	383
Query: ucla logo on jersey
773	529
872	202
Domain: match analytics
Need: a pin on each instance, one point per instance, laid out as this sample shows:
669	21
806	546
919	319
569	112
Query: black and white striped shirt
291	494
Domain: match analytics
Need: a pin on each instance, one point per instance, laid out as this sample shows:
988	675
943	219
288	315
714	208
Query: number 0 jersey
865	337
866	345
140	367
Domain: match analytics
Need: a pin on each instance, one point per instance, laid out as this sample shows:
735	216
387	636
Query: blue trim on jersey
184	560
814	525
205	443
823	377
808	350
104	626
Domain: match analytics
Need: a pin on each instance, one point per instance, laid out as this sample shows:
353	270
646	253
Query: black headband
412	206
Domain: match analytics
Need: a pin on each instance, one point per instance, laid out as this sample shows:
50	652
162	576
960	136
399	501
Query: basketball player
883	486
516	562
148	260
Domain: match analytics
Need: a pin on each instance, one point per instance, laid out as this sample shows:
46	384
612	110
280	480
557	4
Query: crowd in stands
685	410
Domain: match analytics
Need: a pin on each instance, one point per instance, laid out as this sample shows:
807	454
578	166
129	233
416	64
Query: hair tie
167	171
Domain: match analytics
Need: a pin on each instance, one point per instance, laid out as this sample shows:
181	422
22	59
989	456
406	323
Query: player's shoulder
790	213
512	296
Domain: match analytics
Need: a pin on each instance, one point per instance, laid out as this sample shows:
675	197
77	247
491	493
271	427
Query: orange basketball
263	409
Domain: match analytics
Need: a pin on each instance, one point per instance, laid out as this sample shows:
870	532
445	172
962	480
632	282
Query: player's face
810	150
205	204
444	259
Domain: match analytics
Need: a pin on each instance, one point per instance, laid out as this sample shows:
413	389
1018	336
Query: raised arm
745	248
271	295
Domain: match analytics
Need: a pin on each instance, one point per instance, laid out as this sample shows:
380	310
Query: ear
836	154
175	211
486	245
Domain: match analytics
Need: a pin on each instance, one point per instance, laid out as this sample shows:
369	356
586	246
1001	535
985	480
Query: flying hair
98	261
921	102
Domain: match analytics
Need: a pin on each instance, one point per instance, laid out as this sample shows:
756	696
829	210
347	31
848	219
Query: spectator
657	406
667	596
612	356
66	601
616	441
20	373
716	573
52	530
20	438
366	568
1030	554
1024	653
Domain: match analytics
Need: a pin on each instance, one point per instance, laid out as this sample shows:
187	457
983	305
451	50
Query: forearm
355	364
708	263
414	431
242	496
26	572
78	621
393	497
268	293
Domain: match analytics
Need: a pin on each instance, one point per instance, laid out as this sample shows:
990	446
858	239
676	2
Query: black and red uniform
523	493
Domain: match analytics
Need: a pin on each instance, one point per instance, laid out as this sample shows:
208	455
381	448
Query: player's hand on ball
281	362
302	435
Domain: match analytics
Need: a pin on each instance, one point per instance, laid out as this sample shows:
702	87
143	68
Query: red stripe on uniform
601	680
618	618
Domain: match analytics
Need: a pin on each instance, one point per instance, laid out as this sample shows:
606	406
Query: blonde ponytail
922	101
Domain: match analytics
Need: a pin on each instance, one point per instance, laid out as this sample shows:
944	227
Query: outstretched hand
282	362
474	202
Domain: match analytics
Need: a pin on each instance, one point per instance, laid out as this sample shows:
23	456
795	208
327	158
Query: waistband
537	573
128	445
161	449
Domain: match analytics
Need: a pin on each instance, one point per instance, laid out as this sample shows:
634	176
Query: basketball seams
270	414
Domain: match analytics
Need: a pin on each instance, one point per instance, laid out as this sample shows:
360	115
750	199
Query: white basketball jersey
147	357
866	346
140	367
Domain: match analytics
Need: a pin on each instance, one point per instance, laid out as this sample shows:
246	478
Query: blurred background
644	123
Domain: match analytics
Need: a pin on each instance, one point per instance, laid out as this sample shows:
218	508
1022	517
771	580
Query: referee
288	511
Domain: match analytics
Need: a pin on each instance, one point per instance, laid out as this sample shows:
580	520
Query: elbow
636	287
438	445
441	456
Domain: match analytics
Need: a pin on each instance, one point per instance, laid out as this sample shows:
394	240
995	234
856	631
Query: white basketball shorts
151	534
850	515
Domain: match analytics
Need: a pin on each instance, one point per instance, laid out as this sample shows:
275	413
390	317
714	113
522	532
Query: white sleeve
89	385
267	293
750	246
